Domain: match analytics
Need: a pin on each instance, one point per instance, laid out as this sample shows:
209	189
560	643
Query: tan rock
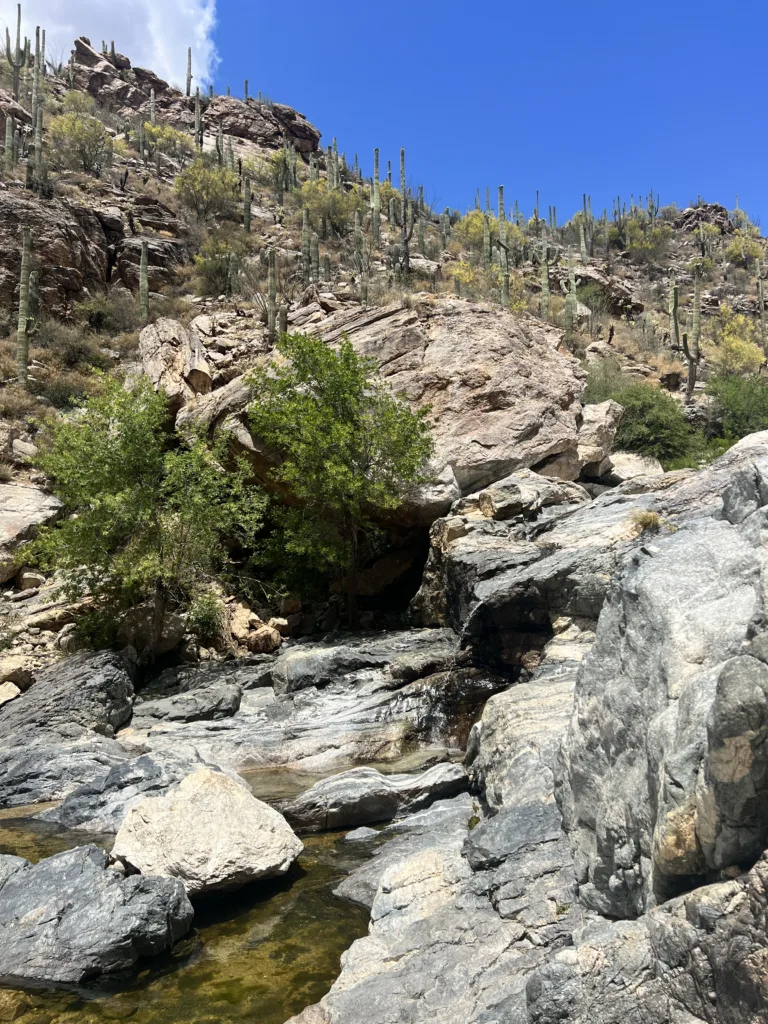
264	640
28	579
281	625
8	691
596	434
174	360
210	832
242	620
18	670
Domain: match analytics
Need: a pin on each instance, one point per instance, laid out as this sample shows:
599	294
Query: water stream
258	955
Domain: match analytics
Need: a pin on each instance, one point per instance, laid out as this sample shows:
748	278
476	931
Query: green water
259	955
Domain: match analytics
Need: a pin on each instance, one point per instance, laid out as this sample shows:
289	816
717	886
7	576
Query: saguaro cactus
245	91
761	309
39	143
152	107
16	57
22	336
272	294
282	319
247	204
376	222
306	243
198	120
405	237
189	71
314	250
8	155
690	346
36	77
570	299
144	282
544	299
486	241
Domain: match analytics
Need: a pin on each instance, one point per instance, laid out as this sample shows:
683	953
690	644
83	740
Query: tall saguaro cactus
152	108
198	121
376	222
314	251
144	282
247	204
272	294
690	346
761	309
189	71
306	242
22	335
544	299
570	299
8	156
16	57
406	230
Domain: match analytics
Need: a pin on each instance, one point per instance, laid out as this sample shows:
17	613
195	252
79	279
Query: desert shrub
743	249
63	388
646	521
647	243
336	205
161	138
79	141
206	189
113	313
218	266
70	345
206	618
736	349
653	423
741	404
604	381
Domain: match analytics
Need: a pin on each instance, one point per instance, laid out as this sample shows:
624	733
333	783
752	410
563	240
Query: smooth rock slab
69	918
210	832
364	795
220	699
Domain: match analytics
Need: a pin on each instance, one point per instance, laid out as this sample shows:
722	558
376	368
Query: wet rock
101	805
364	795
210	832
69	918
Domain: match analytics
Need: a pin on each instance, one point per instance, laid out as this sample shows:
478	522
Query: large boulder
210	832
70	918
502	395
220	699
23	508
364	795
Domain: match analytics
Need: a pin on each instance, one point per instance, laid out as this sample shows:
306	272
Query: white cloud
152	33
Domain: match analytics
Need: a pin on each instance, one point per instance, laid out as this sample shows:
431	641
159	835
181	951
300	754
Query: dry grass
646	521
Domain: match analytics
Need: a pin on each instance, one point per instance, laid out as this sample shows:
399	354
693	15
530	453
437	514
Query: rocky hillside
541	755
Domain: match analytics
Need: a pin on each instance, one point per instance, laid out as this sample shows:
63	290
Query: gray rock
101	804
93	691
50	767
23	508
69	918
220	699
364	795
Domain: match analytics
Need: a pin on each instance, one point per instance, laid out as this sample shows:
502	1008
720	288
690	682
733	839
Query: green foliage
206	190
161	138
336	205
350	449
218	264
110	314
149	523
741	404
736	337
79	141
206	618
653	423
744	249
647	243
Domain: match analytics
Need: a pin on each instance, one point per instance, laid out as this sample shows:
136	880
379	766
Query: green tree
146	525
349	451
206	190
741	404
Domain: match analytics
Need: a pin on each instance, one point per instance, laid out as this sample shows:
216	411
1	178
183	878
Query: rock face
69	919
614	783
174	360
210	832
93	691
325	706
22	509
364	795
220	699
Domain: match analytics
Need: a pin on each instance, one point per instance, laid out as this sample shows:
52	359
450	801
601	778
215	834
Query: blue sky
597	96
